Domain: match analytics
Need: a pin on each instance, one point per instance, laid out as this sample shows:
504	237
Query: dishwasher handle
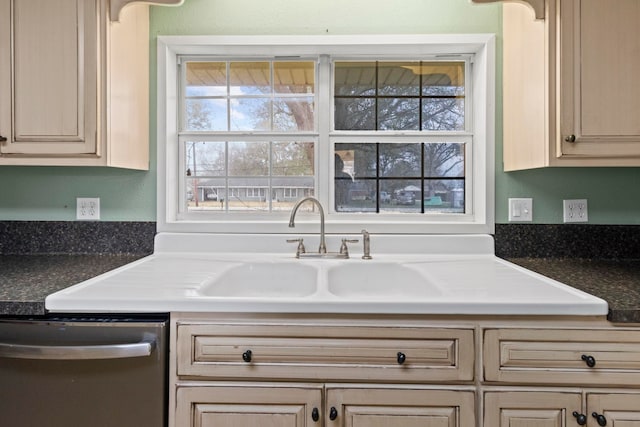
86	352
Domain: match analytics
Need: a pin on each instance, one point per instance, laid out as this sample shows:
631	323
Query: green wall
38	193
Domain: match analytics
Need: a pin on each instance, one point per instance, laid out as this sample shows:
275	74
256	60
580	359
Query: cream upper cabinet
570	96
74	84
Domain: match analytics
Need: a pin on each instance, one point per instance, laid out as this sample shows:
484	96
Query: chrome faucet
323	246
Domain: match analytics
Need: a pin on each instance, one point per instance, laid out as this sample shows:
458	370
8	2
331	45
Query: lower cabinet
292	405
296	370
559	409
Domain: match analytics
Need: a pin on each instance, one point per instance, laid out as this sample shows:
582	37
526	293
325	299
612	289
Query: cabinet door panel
600	97
53	70
389	407
240	406
619	409
530	409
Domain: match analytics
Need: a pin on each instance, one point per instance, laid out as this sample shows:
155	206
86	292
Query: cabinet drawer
325	352
562	356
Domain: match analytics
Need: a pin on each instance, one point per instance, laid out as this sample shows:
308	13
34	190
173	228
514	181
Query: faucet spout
323	247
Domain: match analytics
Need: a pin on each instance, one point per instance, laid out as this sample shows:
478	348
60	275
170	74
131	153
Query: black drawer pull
246	356
589	360
401	358
581	419
315	415
602	421
333	413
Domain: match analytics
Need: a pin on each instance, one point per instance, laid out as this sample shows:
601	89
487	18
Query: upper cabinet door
599	69
50	106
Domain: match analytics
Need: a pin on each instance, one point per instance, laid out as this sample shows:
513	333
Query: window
391	133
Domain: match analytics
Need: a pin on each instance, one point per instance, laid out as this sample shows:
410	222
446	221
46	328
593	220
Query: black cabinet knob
401	358
315	415
589	360
246	356
581	419
570	138
602	421
333	413
3	138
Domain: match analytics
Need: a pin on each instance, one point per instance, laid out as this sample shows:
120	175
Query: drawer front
562	356
316	352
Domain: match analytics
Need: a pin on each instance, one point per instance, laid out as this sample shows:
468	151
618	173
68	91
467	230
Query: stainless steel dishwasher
83	371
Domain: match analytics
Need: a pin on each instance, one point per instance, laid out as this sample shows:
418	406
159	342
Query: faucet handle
301	249
344	250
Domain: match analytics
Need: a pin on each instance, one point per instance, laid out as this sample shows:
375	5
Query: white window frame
479	218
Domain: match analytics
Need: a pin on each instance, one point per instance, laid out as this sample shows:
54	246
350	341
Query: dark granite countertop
616	281
26	280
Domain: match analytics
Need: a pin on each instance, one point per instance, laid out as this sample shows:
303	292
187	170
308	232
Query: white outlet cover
88	208
575	210
520	210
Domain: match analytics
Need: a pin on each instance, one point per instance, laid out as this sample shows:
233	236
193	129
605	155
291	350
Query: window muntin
246	96
246	176
400	96
400	177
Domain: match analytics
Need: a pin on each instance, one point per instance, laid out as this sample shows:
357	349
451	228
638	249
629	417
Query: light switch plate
520	210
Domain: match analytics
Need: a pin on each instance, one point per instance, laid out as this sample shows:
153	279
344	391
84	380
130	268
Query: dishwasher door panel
94	384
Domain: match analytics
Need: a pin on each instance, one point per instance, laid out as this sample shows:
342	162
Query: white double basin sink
304	279
413	275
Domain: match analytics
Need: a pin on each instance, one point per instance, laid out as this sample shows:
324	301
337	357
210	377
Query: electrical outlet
88	209
575	210
520	210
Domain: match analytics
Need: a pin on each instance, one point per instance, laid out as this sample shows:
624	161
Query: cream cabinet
402	371
561	408
304	371
570	96
74	84
601	365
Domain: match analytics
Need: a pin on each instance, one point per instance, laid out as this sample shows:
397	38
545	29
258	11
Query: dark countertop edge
617	281
26	280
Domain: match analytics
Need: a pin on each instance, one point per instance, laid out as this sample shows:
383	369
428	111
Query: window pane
294	77
205	194
444	160
399	114
443	79
287	191
398	78
250	78
206	79
206	114
400	160
444	196
443	114
250	114
355	78
248	194
405	195
248	158
355	113
354	195
292	158
356	160
293	114
204	158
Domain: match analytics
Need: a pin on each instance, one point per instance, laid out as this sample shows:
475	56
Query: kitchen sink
366	280
263	280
